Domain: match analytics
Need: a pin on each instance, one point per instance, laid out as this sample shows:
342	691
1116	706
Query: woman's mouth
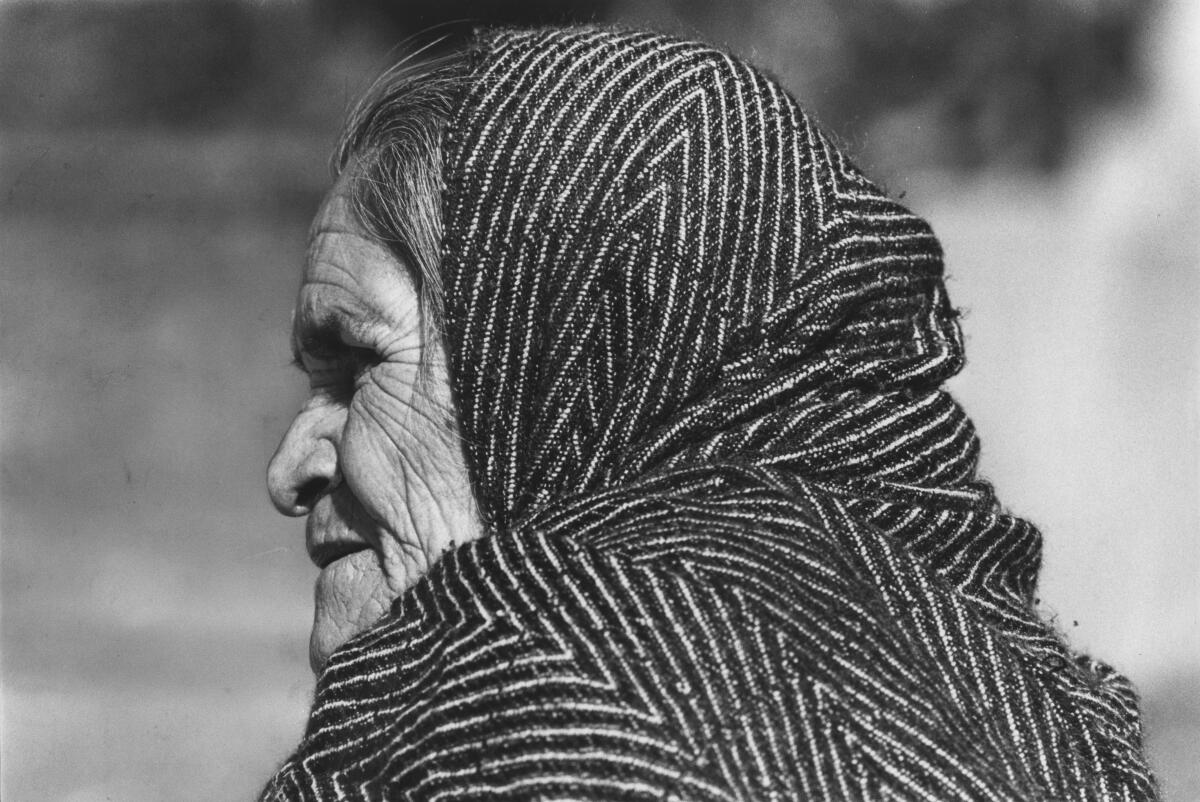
324	554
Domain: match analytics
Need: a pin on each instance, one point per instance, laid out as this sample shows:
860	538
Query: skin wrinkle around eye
391	420
345	356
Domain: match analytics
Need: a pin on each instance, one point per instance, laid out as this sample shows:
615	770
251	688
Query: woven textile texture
737	548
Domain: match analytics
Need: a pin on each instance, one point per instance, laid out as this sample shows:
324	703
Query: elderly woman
628	470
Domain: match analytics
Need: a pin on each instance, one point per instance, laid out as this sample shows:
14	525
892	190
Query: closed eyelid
321	340
329	345
352	325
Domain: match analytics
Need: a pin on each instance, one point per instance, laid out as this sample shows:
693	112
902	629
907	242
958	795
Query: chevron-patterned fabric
737	548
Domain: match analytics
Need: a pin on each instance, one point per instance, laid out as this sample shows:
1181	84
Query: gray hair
392	144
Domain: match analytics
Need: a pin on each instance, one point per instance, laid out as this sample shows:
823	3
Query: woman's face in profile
372	458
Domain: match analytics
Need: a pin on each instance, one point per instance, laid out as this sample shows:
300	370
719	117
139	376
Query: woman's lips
323	554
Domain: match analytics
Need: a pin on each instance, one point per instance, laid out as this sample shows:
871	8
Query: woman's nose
305	465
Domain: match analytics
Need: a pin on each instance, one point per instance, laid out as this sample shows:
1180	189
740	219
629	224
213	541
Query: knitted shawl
736	545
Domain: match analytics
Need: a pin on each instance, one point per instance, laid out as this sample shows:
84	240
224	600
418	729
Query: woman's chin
318	650
350	596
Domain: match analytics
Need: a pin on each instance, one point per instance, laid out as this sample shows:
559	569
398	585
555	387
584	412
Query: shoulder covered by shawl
738	546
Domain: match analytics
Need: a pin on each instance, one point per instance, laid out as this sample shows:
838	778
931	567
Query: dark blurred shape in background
160	161
980	83
79	65
983	83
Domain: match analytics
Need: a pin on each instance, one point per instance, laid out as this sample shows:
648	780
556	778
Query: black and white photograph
599	400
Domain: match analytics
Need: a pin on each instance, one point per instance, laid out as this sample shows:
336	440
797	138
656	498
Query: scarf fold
738	548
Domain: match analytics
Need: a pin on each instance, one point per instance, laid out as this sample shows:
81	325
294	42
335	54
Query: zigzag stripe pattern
737	545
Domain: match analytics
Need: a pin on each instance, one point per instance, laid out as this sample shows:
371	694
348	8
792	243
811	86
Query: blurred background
159	165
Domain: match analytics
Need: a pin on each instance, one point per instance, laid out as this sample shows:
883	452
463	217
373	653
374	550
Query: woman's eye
359	360
339	372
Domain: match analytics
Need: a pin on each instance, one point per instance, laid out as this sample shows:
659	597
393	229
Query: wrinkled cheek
371	455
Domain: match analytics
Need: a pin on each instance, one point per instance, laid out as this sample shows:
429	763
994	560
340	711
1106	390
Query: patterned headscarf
737	548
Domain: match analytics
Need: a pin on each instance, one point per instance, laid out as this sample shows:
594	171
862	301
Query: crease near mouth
324	554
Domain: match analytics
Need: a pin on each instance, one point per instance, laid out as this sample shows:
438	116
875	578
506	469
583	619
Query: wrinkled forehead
350	280
336	213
